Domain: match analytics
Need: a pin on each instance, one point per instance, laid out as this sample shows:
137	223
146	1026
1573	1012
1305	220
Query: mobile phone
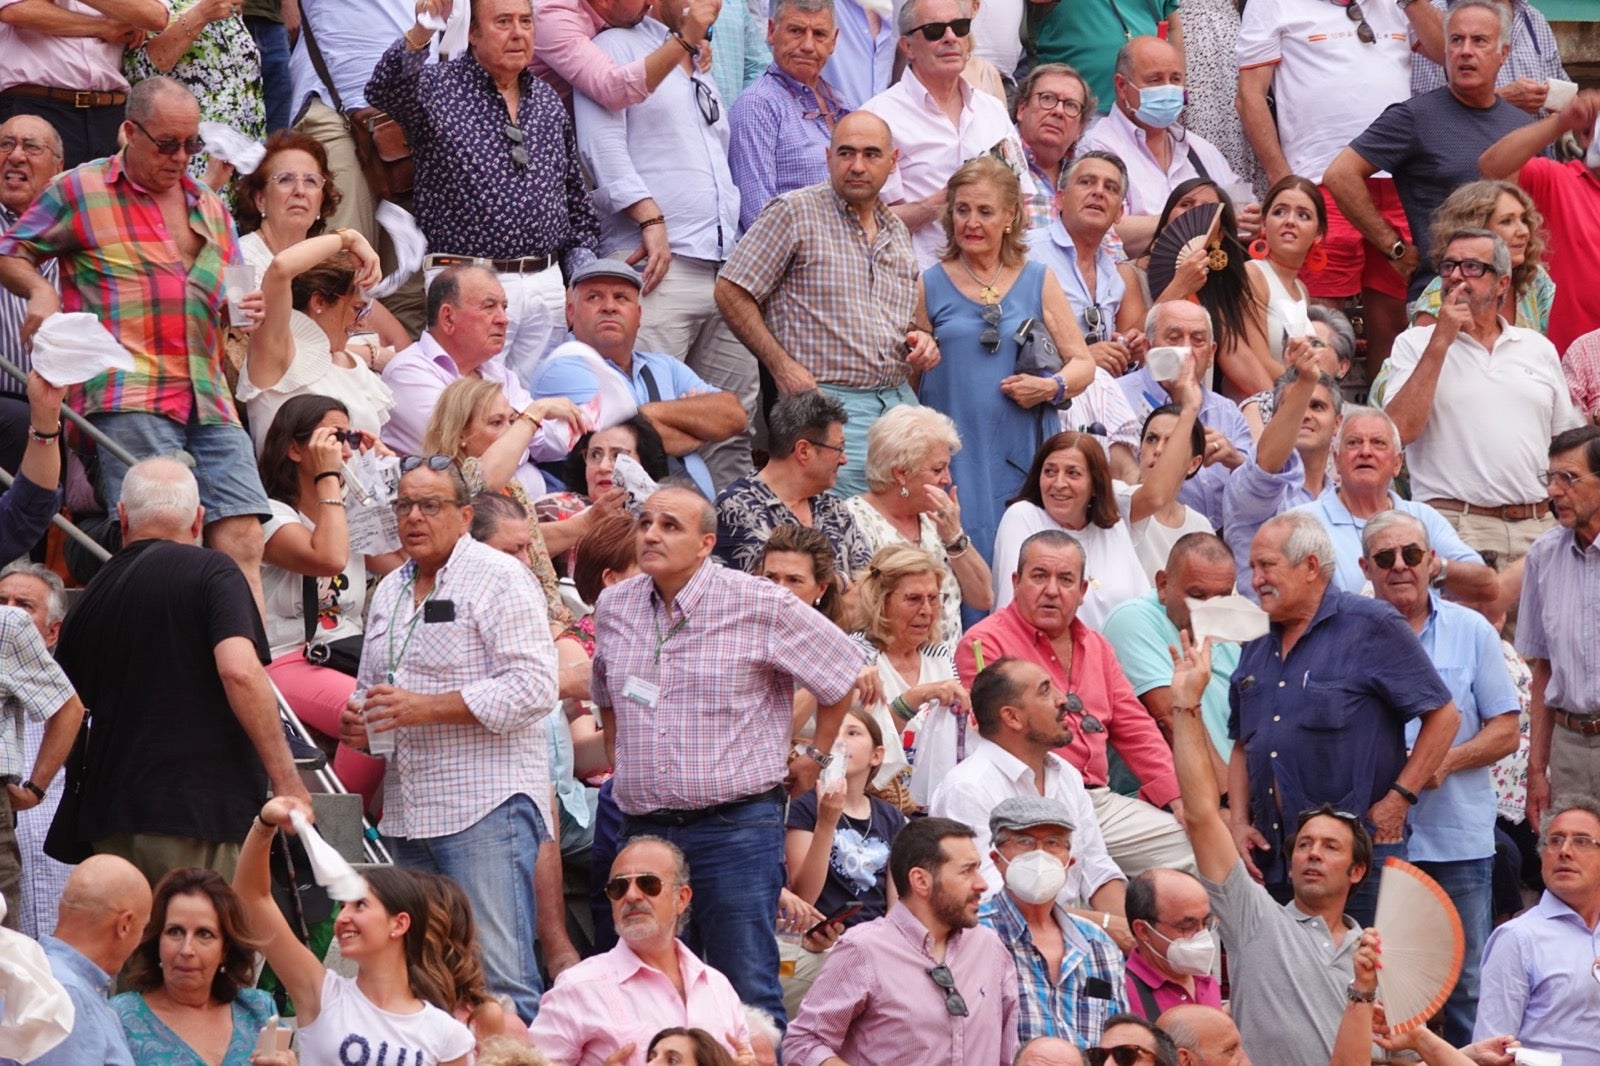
849	910
273	1037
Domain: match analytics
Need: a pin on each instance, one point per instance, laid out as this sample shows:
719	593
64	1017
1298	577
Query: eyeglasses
1412	555
1188	927
1023	842
706	101
650	884
1087	723
171	145
918	600
1468	268
30	148
990	337
1092	321
819	444
1566	477
934	31
1050	101
1122	1054
433	462
519	154
288	181
954	1005
1577	841
1352	11
430	506
597	455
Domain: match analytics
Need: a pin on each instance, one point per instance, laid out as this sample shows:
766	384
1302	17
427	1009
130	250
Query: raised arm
565	44
1214	851
1277	440
272	344
1166	477
296	966
1505	158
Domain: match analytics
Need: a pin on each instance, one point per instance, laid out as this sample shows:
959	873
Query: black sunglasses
341	436
519	154
933	31
1353	12
990	337
433	462
649	884
1352	820
1122	1054
1087	723
954	1005
171	146
1092	319
706	101
1411	553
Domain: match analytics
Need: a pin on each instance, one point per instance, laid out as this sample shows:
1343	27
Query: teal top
154	1044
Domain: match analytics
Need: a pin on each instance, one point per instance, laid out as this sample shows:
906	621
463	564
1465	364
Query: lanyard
411	630
661	641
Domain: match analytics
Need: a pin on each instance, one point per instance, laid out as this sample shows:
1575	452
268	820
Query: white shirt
931	149
351	38
1517	391
996	33
1113	568
1148	184
1329	86
990	774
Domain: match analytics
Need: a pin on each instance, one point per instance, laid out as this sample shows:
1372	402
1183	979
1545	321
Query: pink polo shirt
1168	993
1099	682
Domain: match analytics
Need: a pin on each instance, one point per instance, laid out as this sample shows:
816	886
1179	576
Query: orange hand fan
1423	945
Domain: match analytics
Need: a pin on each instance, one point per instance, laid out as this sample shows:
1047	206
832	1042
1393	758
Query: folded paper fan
1197	227
1423	945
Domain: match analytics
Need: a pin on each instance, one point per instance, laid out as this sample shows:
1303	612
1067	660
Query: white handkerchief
229	145
616	402
454	28
409	247
1527	1056
35	1012
1293	315
1559	93
1230	619
639	485
69	349
1592	158
328	867
429	21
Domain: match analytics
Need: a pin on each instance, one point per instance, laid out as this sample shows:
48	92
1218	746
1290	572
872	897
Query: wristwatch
29	786
820	757
1397	251
1355	995
959	545
1444	570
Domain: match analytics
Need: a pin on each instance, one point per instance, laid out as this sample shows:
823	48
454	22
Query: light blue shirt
861	65
1345	529
1203	492
739	54
1455	821
96	1031
682	160
1537	982
352	38
1252	498
1140	633
1052	245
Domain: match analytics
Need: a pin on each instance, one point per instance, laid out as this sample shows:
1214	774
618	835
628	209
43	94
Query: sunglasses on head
933	31
1122	1055
432	462
649	884
1352	820
1411	554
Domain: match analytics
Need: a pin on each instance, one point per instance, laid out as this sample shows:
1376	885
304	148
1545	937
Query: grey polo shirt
1289	979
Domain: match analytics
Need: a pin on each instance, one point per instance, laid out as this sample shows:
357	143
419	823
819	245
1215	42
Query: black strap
308	604
650	385
1199	167
321	67
1147	998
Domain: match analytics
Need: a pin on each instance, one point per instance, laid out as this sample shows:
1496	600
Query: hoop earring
1317	257
1258	248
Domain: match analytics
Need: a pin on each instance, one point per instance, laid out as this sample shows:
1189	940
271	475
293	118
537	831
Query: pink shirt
31	58
565	56
1168	993
1098	680
875	1005
1581	365
616	998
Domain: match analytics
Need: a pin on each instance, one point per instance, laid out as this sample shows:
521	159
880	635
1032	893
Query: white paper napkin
37	1013
69	349
454	27
229	145
409	247
1559	93
1230	619
328	867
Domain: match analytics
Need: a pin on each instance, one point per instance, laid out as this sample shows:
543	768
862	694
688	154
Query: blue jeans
863	406
1468	884
492	860
272	41
1363	902
736	871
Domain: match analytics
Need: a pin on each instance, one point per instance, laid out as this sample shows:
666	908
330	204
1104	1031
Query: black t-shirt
1431	144
166	754
858	869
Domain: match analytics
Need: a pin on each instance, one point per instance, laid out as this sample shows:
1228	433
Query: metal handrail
63	523
87	427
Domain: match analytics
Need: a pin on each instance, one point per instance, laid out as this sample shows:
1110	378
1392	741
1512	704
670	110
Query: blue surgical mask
1159	105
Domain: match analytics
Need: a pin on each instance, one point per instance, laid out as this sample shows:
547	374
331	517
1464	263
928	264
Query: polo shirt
1140	633
1164	990
1568	196
1345	529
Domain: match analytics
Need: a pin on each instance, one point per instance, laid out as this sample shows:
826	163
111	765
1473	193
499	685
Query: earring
904	492
1008	229
1258	248
1317	257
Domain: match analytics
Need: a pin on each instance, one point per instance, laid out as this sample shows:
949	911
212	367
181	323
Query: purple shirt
875	1005
780	138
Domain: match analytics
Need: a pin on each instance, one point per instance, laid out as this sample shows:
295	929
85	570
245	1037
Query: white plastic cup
1166	362
380	744
238	281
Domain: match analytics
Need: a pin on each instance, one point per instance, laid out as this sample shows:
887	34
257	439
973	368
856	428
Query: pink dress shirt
616	998
566	57
875	1005
28	57
1098	680
1168	993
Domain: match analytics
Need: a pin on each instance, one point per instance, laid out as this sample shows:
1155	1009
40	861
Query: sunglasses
171	145
1087	723
990	337
1352	820
706	101
1468	268
933	31
432	462
1122	1055
1411	554
1092	321
1353	12
650	884
519	154
954	1005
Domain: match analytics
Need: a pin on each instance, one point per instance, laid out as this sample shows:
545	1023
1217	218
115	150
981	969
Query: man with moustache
926	982
30	155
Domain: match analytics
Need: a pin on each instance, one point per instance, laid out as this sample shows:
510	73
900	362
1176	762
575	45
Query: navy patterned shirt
472	197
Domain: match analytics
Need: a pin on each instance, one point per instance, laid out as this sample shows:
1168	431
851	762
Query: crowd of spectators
745	564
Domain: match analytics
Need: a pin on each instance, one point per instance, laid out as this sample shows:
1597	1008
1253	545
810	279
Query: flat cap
1029	812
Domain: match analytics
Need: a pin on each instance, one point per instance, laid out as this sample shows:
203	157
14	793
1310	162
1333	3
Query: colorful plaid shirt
118	264
1074	1003
839	304
704	691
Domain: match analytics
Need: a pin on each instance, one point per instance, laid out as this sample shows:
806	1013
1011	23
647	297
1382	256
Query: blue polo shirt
1455	821
1345	529
1327	724
1203	492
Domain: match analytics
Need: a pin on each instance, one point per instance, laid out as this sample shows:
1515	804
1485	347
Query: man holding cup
142	246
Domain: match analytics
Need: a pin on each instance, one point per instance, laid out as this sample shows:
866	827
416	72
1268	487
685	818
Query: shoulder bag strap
317	62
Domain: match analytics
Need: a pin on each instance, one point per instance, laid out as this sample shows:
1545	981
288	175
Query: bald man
1206	1036
102	916
1049	1051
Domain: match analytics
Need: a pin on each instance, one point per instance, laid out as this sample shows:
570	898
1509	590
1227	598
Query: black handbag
63	842
344	654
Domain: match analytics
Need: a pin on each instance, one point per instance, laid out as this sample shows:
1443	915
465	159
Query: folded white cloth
231	146
1230	619
328	867
69	349
36	1013
409	247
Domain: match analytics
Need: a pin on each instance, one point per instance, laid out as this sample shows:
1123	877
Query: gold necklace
987	293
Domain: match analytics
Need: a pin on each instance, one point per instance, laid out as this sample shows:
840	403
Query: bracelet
329	473
412	44
1061	389
332	503
1404	793
44	438
1105	923
183	21
659	220
900	707
534	422
692	49
38	793
269	826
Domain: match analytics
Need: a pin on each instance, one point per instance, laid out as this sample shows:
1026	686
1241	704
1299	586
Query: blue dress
998	436
153	1044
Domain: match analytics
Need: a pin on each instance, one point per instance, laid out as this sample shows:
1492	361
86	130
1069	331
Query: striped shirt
30	683
497	653
120	265
781	134
837	302
723	662
13	309
1074	1002
1559	618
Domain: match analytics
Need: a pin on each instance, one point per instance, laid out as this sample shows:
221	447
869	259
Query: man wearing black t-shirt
165	647
1431	143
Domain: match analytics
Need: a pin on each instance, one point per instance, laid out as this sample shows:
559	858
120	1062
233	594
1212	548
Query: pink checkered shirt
726	660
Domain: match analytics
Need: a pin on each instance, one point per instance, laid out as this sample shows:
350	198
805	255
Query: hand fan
1195	228
1423	945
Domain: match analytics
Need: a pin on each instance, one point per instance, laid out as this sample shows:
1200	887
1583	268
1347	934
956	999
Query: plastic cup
380	744
238	281
1165	363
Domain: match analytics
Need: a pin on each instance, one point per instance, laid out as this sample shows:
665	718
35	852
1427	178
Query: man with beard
925	983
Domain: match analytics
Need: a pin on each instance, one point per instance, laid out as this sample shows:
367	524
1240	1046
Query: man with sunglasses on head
457	669
1470	370
1452	828
649	981
141	246
926	983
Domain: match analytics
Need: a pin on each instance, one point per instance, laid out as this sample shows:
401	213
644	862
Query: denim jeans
1468	884
1363	902
272	41
492	860
863	406
736	871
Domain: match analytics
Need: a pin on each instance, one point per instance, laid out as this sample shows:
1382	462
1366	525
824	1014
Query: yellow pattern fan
1423	945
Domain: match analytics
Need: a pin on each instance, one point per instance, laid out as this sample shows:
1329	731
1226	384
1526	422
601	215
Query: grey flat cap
607	268
1029	812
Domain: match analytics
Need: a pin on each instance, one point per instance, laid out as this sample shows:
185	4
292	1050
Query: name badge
644	693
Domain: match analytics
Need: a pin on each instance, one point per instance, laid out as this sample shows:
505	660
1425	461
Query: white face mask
1191	955
1036	876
